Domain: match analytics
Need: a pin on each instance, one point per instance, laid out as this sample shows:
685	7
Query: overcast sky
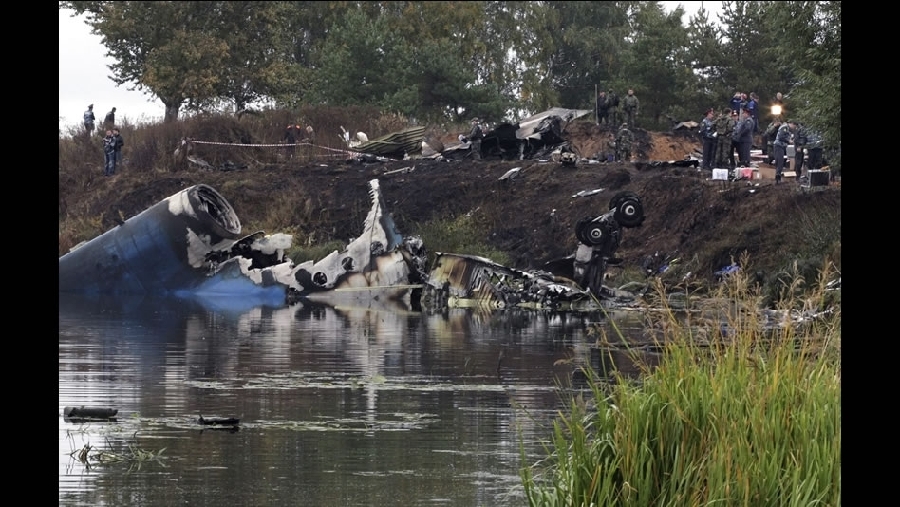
84	73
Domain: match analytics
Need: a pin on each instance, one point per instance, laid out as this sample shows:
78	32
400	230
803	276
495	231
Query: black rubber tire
590	233
580	227
629	212
614	202
595	234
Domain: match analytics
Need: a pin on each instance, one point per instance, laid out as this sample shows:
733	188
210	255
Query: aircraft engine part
164	248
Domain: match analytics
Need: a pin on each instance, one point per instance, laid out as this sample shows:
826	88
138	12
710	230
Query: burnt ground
705	224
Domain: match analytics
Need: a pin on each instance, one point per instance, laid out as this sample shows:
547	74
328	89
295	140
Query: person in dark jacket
743	137
769	137
801	139
109	154
602	109
613	101
736	103
290	138
782	139
708	134
118	143
753	107
109	121
815	149
89	119
475	136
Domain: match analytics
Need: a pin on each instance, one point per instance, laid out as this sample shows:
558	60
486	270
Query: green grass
749	417
460	234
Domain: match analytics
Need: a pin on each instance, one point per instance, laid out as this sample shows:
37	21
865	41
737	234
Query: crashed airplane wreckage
534	137
189	245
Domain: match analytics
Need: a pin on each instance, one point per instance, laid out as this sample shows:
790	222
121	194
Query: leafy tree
497	64
750	65
449	60
811	49
656	62
439	86
417	58
257	64
168	48
193	53
185	70
706	57
305	27
568	48
353	64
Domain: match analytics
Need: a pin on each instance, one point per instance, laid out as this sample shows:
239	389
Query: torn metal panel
379	257
532	125
686	125
395	145
432	148
511	174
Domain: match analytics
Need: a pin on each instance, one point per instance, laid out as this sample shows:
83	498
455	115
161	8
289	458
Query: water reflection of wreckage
190	245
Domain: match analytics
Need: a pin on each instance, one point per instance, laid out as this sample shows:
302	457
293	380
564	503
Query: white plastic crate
720	174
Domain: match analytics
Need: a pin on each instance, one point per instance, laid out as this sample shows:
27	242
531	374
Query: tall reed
733	414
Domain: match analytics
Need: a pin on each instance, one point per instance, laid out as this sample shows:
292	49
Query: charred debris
190	245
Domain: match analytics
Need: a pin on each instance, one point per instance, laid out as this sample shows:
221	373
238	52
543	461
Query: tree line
446	61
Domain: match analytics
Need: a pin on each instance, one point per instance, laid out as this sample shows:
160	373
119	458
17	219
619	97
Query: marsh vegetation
735	413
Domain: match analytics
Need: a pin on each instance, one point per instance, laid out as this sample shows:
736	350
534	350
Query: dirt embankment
704	224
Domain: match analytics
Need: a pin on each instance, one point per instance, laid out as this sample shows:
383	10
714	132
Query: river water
336	406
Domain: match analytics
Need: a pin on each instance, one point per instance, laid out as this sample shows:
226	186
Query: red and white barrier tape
279	145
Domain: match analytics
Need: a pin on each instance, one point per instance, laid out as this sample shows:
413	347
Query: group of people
723	136
112	141
112	150
741	101
620	145
109	121
733	130
806	142
608	108
294	134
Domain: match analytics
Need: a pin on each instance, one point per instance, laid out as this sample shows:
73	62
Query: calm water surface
337	406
